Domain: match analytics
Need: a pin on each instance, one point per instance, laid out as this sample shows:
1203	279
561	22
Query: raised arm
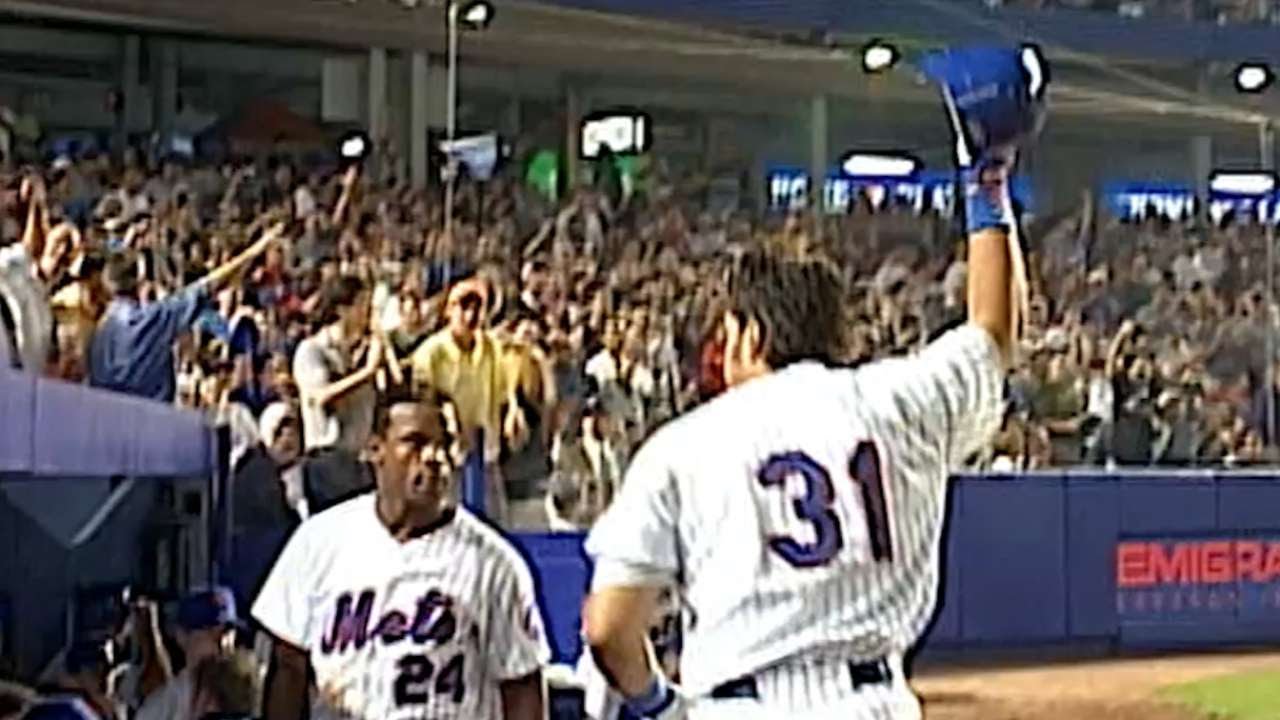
993	254
219	277
36	229
345	199
995	101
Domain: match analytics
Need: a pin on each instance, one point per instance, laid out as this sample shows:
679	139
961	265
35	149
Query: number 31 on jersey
816	505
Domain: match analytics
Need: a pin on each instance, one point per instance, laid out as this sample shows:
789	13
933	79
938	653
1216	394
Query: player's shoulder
334	525
793	385
490	545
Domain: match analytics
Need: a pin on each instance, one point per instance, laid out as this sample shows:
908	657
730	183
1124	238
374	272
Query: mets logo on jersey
433	633
434	619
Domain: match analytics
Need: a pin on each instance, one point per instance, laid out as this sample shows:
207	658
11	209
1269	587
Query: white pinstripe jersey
801	513
421	630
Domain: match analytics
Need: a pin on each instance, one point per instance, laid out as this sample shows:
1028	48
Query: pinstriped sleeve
635	541
952	393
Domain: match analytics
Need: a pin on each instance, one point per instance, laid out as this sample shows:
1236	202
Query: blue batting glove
662	701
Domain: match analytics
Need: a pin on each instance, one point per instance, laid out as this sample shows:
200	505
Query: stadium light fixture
476	15
880	166
1247	184
1253	77
1037	70
878	56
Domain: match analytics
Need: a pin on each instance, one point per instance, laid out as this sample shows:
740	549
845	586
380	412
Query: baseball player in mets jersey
800	513
400	606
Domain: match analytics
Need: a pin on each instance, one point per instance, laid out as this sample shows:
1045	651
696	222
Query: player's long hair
799	304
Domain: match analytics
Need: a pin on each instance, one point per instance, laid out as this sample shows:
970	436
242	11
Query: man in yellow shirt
465	362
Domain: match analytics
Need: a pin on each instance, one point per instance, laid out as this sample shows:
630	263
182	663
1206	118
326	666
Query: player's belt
876	672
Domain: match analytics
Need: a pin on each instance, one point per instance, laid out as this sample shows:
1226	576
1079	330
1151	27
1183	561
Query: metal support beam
819	156
419	105
130	89
378	127
164	86
572	147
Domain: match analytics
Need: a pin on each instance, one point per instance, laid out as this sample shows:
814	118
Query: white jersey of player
800	514
426	629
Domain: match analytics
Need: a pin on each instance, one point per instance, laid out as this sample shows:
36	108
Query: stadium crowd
280	301
565	333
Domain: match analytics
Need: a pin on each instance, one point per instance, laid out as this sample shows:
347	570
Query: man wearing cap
464	361
206	620
267	497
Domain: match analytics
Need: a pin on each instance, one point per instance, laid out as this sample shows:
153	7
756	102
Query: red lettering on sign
1175	563
1215	563
1271	570
1141	564
1249	561
1132	566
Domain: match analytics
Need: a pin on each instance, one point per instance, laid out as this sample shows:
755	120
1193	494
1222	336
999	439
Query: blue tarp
57	429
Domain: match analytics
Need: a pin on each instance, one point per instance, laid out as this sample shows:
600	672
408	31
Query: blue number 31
815	507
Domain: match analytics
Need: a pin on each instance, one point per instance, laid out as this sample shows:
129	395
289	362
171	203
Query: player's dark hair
798	303
402	396
339	294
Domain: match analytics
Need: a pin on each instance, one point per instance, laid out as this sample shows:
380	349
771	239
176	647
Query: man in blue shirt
132	349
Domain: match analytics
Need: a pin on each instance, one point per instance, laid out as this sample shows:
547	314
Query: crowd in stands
280	300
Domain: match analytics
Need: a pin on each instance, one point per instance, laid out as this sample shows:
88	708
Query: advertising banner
1177	202
926	191
1136	201
1197	578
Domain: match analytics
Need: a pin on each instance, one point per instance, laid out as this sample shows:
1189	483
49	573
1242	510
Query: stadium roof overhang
684	63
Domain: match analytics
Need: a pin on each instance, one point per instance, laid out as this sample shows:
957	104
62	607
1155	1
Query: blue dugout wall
1142	560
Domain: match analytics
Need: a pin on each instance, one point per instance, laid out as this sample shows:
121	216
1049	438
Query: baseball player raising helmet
800	513
400	606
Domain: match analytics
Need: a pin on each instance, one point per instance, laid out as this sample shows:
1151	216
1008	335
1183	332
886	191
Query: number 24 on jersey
816	505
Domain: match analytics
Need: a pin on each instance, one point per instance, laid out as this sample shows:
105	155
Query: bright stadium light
1253	77
1243	183
473	15
878	56
476	15
881	166
1033	62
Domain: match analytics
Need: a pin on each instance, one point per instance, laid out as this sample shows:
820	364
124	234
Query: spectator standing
132	349
268	499
337	395
464	361
206	620
1060	406
526	461
1178	433
227	687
